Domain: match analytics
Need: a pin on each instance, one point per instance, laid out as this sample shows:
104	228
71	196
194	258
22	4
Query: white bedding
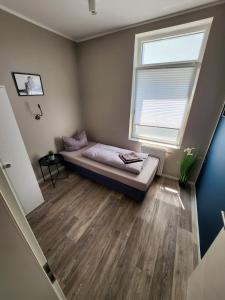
110	155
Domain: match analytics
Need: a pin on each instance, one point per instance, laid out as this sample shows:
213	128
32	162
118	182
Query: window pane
160	99
173	49
155	133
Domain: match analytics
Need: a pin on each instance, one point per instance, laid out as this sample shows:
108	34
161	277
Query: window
165	72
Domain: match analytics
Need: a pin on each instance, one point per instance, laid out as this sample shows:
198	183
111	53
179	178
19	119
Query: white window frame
193	27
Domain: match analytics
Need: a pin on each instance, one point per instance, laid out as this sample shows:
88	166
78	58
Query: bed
133	185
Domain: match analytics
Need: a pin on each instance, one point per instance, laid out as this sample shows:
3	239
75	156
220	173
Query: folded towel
130	157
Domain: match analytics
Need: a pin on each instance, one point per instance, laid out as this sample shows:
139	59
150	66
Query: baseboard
197	226
170	176
176	178
47	176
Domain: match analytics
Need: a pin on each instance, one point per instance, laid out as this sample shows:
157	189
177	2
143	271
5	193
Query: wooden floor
102	245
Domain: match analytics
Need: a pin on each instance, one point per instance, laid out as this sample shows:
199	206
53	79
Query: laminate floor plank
140	285
102	245
162	281
128	260
154	240
184	263
92	242
100	286
186	216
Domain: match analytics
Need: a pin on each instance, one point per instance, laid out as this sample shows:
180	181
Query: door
210	189
15	160
207	282
22	261
21	277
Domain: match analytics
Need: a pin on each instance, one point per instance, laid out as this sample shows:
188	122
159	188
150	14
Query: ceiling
71	18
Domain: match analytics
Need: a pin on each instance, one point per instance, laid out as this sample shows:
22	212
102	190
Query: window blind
161	96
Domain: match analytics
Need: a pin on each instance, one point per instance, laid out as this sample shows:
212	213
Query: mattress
140	181
109	155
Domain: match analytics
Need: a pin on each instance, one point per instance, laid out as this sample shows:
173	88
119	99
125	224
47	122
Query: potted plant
51	155
187	165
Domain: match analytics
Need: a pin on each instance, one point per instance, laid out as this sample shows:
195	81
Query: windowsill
156	144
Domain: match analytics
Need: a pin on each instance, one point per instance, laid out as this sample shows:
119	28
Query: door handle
223	218
7	166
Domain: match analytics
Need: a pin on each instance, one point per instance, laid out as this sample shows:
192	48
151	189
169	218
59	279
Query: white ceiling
72	19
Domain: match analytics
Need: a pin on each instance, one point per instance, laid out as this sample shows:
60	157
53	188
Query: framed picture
28	84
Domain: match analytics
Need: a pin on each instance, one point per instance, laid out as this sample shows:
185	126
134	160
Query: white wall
207	282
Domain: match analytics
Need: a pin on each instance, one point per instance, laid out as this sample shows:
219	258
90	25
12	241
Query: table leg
43	176
52	179
57	170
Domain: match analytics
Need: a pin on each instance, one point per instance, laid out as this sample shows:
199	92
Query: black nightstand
45	161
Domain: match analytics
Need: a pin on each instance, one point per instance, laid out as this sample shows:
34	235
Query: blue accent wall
210	190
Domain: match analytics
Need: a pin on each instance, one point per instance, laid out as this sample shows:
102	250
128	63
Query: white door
207	282
22	275
14	158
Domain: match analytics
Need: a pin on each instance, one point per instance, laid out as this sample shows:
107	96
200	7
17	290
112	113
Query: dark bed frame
108	182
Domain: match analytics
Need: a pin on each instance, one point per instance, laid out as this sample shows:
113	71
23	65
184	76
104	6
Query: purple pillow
76	142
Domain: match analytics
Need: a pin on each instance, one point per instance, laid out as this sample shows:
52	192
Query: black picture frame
28	84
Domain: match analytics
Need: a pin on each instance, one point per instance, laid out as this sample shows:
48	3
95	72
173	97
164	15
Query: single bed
133	185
